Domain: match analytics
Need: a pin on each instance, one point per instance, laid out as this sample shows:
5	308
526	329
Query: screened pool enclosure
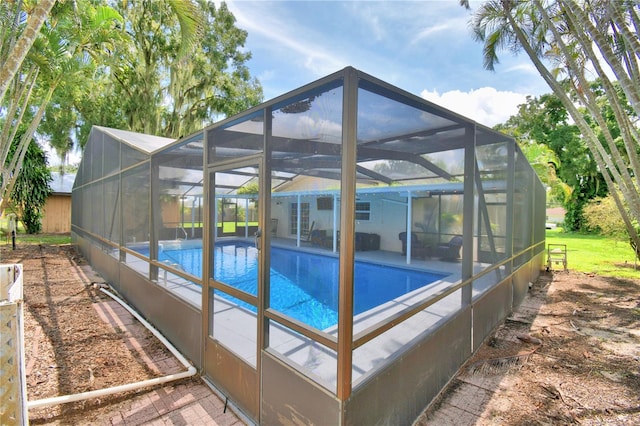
332	256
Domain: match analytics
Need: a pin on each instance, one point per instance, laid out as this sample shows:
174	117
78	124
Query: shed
56	215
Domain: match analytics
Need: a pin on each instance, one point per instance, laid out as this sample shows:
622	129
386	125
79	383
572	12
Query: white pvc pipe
152	329
191	370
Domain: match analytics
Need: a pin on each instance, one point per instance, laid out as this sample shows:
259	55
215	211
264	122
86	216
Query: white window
293	217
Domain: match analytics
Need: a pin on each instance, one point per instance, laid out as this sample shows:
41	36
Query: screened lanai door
235	264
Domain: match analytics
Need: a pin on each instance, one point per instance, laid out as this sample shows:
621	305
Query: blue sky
424	47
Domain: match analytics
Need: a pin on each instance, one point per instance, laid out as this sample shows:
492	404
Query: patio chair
418	249
450	250
305	235
274	227
318	236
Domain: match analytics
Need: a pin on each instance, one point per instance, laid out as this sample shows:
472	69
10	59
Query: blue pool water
304	286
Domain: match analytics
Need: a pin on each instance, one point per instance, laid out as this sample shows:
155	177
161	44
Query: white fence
13	392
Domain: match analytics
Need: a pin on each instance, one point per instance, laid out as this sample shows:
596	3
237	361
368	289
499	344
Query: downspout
191	370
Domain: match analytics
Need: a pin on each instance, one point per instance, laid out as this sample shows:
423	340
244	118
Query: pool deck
235	326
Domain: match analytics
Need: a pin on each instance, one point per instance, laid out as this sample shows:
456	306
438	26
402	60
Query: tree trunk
600	156
18	156
22	47
24	93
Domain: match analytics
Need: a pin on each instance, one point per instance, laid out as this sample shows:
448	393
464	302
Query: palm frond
190	18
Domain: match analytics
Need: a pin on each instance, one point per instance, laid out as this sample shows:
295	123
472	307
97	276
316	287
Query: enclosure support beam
347	225
299	216
467	212
154	213
409	241
264	214
209	234
484	214
511	179
335	223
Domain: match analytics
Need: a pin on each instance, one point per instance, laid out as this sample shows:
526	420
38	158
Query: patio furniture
418	249
305	234
367	241
556	255
319	237
450	250
274	227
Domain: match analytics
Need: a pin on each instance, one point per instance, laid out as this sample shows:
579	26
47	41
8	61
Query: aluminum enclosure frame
130	206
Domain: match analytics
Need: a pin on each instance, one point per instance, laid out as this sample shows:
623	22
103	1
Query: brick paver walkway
184	402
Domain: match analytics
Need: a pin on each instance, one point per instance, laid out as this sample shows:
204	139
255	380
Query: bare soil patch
569	355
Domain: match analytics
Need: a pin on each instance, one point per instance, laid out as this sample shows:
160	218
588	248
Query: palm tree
65	47
19	44
549	33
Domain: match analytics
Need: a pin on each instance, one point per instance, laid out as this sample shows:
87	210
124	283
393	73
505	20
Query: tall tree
74	108
559	37
182	66
571	173
171	84
68	45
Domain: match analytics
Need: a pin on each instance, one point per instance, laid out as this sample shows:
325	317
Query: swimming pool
304	285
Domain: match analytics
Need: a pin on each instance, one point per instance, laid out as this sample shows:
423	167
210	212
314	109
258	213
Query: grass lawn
42	239
230	227
596	254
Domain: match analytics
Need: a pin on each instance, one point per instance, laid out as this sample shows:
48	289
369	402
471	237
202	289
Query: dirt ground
570	356
69	349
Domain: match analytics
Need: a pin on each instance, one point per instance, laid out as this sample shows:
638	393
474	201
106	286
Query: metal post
467	211
347	226
408	241
511	178
299	216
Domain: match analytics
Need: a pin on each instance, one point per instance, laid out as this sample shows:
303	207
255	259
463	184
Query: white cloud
486	105
283	38
523	67
427	32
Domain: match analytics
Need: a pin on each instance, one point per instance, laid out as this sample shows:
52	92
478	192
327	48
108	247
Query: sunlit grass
591	253
230	227
48	239
24	238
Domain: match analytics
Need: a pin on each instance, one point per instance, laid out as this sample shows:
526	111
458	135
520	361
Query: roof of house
62	183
